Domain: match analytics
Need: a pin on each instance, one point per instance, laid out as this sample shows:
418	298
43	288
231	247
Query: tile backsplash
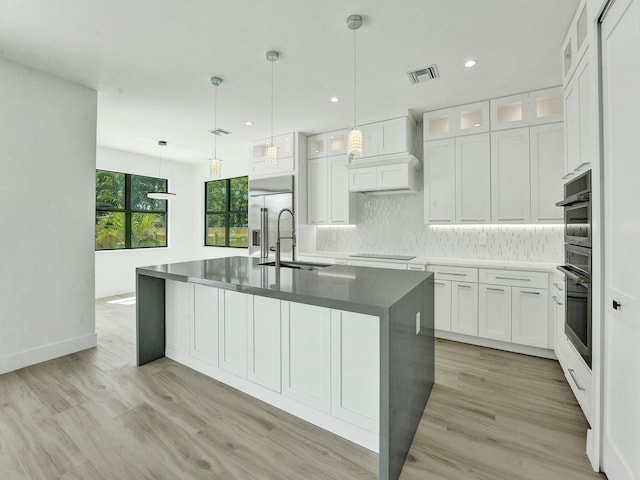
394	224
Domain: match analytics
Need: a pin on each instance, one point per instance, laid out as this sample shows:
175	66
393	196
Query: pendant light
354	22
161	195
272	151
215	164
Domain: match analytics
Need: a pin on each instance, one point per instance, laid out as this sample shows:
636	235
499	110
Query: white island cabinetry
318	363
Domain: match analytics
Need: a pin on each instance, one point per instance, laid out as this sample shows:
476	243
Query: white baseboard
46	352
486	342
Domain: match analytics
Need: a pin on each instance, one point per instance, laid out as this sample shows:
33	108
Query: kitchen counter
357	289
426	260
401	302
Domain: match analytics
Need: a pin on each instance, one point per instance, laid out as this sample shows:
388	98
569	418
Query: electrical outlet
482	239
417	323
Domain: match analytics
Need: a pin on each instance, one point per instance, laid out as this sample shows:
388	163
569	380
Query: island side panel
150	318
409	376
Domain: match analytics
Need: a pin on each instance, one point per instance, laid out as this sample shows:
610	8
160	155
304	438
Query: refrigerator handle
264	233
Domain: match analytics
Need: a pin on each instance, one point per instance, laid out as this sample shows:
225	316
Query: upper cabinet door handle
616	305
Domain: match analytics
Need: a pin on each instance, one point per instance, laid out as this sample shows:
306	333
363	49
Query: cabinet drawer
367	263
416	268
580	379
514	278
457	274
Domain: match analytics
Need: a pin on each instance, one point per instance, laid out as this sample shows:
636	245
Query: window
125	217
226	212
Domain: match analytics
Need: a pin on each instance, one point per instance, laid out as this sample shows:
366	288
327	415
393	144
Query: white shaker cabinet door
204	333
234	310
177	315
530	317
494	316
464	308
510	178
265	337
473	180
547	169
306	354
340	202
317	193
355	368
442	305
440	181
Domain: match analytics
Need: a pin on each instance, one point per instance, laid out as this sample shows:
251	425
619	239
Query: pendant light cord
215	122
272	116
354	78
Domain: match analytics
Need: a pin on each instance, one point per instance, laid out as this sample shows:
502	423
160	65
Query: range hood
385	174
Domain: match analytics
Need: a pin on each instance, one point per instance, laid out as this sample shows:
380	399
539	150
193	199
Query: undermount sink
298	265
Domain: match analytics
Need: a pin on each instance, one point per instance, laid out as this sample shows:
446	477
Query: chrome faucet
292	237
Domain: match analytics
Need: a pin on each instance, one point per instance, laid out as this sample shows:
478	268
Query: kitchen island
347	348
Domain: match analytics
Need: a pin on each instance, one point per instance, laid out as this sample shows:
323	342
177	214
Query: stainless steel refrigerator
267	197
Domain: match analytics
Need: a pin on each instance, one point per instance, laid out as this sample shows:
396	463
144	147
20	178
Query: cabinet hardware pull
453	273
530	293
555	299
496	289
573	377
555	284
439	283
514	278
464	286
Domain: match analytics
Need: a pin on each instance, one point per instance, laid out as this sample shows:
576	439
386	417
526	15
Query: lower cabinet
292	355
265	343
355	368
177	315
464	308
234	308
204	329
510	306
306	353
494	316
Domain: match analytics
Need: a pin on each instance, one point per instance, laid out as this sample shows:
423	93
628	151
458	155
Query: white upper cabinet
510	178
546	106
342	204
317	191
440	181
462	120
286	158
327	144
394	136
473	179
379	175
579	120
576	42
510	112
533	108
546	144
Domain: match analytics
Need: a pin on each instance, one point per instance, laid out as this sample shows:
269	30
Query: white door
621	171
393	136
317	190
234	308
338	189
473	179
547	169
464	308
530	317
442	305
440	181
494	316
510	179
265	345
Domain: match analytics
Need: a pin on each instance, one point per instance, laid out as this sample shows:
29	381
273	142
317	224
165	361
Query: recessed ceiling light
470	63
248	123
335	99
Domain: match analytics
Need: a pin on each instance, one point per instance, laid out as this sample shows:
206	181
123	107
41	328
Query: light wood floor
94	415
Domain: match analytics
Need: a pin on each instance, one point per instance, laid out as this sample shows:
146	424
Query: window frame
227	213
129	211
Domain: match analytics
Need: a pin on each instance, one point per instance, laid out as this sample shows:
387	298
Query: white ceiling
151	61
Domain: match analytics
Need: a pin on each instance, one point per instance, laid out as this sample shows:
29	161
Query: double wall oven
577	267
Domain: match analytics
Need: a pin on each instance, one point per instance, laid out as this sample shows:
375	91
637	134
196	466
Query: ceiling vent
423	74
221	132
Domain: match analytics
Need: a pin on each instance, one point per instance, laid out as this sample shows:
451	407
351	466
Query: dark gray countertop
359	289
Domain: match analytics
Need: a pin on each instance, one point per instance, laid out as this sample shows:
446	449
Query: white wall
47	168
115	270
